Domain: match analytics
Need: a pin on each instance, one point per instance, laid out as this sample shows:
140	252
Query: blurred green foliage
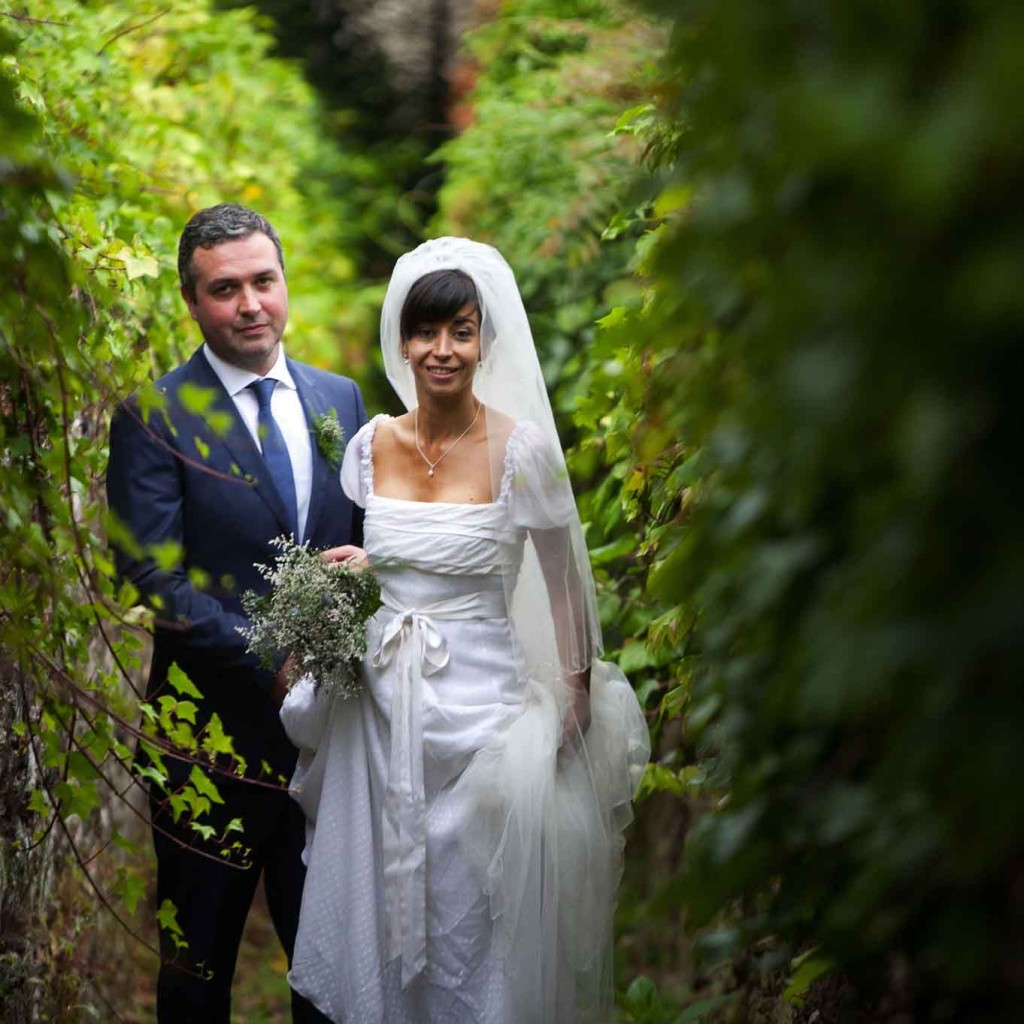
384	119
814	405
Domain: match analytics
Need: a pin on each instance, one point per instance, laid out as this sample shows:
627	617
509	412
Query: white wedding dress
437	800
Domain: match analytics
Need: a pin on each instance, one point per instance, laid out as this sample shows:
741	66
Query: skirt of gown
343	960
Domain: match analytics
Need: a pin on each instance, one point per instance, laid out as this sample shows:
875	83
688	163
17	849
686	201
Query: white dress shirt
286	406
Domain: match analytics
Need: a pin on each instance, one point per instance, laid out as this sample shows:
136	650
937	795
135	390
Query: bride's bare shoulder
391	431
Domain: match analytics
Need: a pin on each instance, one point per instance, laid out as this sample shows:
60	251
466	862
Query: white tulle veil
509	382
548	835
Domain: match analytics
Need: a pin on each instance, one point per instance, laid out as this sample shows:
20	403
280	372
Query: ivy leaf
665	580
81	799
132	889
808	970
81	767
154	775
141	266
38	802
179	804
181	683
659	779
167	919
167	554
215	740
615	318
186	710
619	548
204	784
635	656
195	399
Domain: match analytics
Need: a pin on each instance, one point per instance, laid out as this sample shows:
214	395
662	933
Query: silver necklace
416	434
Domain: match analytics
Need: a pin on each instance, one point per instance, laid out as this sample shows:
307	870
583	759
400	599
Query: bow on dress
412	637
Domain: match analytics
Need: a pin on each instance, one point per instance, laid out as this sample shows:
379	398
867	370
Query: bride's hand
348	555
576	719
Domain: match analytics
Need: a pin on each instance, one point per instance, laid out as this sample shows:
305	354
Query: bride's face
444	356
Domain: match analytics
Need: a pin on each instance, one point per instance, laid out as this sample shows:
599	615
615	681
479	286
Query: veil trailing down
493	755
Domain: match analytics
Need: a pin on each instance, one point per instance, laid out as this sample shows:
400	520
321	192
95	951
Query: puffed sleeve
356	467
539	492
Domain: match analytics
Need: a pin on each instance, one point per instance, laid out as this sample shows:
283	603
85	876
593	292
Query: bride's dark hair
435	298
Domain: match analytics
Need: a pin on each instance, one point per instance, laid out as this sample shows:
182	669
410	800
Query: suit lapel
314	404
241	457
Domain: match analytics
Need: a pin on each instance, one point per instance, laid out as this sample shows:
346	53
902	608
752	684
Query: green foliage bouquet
317	610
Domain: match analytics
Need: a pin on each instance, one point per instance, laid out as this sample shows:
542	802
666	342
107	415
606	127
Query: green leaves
204	786
181	684
807	969
140	266
167	919
811	362
131	888
37	802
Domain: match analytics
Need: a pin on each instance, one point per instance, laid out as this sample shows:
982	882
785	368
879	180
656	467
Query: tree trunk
27	866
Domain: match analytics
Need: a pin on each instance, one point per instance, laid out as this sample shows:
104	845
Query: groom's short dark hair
214	225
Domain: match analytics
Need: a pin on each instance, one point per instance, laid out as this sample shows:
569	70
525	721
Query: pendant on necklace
430	472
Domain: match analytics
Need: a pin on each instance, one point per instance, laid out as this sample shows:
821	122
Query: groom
235	454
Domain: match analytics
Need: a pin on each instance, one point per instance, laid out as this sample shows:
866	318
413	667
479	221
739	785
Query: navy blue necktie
275	452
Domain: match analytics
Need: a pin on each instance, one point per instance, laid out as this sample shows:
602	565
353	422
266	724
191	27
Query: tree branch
132	28
34	21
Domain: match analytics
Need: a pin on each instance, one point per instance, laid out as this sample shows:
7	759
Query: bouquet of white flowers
316	610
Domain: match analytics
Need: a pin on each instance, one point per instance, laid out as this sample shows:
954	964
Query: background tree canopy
772	257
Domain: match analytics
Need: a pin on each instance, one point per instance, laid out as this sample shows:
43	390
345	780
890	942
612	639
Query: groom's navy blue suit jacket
199	481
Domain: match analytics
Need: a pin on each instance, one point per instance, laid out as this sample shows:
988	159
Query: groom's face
240	301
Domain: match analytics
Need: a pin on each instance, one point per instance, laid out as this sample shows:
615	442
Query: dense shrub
833	318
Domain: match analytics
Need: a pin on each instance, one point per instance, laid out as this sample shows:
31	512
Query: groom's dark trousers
187	475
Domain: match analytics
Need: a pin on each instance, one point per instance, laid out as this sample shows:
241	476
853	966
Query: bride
465	813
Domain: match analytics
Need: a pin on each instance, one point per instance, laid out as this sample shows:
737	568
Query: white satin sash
412	640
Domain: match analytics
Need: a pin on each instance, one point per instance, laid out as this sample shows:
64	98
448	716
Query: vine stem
128	408
148	820
132	28
164	746
86	583
82	866
34	21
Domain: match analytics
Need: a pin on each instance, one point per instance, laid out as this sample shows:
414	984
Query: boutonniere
330	437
